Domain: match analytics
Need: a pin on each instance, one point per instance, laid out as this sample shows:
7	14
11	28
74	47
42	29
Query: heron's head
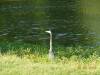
48	32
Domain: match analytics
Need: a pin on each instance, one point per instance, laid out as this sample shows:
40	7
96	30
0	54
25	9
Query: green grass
28	59
13	65
21	49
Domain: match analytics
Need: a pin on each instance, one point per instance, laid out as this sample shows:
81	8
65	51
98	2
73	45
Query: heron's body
51	55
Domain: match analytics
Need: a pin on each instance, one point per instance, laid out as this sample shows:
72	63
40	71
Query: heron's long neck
50	42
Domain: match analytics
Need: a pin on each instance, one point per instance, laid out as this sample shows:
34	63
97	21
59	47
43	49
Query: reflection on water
29	21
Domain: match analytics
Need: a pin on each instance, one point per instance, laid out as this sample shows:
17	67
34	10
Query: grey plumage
51	54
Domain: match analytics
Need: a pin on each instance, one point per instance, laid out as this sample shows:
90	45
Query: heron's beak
48	31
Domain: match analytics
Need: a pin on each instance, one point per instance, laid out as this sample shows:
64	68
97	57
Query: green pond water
72	22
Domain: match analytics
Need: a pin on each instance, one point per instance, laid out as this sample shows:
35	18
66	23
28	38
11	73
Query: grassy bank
13	65
20	49
28	59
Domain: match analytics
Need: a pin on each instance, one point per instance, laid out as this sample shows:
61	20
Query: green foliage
22	49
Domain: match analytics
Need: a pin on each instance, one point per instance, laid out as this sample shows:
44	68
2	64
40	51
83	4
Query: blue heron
50	54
